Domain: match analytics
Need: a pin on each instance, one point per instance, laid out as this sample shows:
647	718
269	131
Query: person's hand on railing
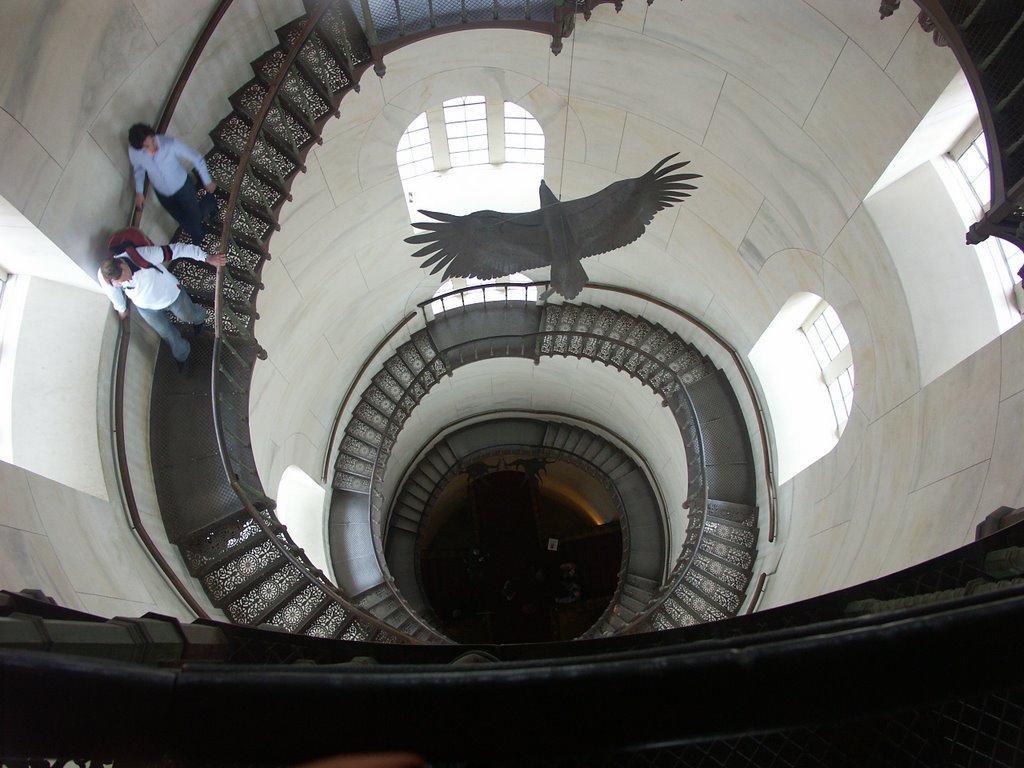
217	259
140	201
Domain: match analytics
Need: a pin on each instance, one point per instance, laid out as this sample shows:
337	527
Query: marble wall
776	104
73	77
76	550
928	471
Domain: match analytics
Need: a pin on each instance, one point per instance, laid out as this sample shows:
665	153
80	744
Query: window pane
522	131
828	340
413	154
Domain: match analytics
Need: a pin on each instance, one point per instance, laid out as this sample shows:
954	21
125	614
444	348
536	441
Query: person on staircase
140	274
160	157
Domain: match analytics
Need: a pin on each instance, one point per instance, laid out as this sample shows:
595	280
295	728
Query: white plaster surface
75	548
53	425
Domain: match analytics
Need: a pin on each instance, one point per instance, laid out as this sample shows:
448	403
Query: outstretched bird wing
619	213
482	244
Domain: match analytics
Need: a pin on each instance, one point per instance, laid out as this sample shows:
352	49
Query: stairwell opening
520	548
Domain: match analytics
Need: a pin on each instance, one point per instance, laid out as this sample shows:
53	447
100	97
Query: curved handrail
693	320
296	559
682	566
762	427
124	474
757	593
124	336
352	387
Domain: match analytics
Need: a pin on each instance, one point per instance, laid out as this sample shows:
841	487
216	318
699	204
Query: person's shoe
184	367
197	329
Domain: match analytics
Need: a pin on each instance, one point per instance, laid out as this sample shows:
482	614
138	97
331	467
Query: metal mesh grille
980	732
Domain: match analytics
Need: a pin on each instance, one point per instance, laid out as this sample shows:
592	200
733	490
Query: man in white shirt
140	275
160	157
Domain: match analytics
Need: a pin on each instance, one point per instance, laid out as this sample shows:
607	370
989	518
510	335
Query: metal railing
390	24
124	339
238	460
990	60
762	427
522	342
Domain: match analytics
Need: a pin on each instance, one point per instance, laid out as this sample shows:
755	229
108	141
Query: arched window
970	156
414	155
467	155
831	348
524	138
461	134
804	363
465	124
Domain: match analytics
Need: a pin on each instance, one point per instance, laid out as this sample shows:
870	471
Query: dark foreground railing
935	684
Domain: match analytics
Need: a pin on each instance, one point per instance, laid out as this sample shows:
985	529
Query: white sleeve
154	254
115	294
186	251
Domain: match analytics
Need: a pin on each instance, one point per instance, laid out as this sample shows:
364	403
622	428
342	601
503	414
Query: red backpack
127	241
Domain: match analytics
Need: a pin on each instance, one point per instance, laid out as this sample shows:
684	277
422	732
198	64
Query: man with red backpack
138	272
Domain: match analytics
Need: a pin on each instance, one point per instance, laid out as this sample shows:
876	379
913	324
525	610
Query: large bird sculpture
489	244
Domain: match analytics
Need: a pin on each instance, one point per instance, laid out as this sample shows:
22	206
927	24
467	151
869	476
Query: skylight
414	156
465	121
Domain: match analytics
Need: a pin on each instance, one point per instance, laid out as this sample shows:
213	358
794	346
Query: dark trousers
188	210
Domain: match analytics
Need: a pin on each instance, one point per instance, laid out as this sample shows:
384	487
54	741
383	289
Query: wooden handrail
124	475
747	382
693	320
124	337
757	593
296	559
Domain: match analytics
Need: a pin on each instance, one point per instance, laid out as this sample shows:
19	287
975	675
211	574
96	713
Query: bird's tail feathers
568	277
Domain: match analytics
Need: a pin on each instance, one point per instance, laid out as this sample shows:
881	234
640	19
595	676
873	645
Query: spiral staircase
288	612
247	564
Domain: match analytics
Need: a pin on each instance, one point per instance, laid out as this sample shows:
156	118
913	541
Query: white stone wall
790	109
73	77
